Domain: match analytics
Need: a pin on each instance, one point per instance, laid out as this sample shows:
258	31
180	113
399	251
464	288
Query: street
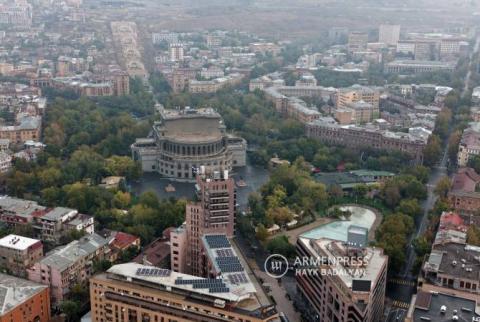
401	288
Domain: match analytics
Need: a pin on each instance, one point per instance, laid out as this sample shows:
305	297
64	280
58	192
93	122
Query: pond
254	177
337	230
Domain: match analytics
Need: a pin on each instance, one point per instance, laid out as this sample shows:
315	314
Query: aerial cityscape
239	160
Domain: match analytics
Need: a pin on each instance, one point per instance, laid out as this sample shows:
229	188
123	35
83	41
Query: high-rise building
23	300
350	283
176	52
135	292
214	213
389	34
357	41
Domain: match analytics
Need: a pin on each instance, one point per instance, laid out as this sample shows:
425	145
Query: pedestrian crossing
400	304
402	282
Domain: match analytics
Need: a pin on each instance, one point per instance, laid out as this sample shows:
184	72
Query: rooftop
428	307
352	274
226	261
64	256
458	260
170	279
58	213
466	179
15	291
20	207
18	242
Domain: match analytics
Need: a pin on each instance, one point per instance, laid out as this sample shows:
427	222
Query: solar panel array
229	264
153	272
238	278
228	252
213	285
217	241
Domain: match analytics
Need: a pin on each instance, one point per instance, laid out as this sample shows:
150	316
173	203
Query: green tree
71	309
261	233
280	245
432	151
443	187
473	235
410	207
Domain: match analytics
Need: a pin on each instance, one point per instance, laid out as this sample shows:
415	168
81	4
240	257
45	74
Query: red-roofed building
452	221
157	253
119	241
463	195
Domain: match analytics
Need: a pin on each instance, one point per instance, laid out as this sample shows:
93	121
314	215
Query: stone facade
185	140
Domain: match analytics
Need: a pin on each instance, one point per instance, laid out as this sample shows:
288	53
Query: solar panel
225	252
217	241
153	272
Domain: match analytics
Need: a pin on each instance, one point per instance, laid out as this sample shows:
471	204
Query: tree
261	233
71	309
392	195
474	162
360	190
150	199
420	172
276	198
421	246
101	265
473	235
335	192
443	187
432	151
280	245
122	200
453	143
280	215
410	207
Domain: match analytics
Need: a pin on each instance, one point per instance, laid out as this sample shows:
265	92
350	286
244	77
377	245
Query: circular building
183	140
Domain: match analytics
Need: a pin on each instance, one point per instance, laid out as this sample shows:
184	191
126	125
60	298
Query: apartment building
212	86
363	112
5	161
136	292
453	266
469	144
357	93
350	283
327	130
389	34
53	224
17	253
23	300
27	128
16	14
68	265
176	52
213	214
418	66
463	195
357	41
48	224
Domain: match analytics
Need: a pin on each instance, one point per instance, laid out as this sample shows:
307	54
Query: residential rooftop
65	256
428	307
18	242
373	258
458	260
20	207
15	291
